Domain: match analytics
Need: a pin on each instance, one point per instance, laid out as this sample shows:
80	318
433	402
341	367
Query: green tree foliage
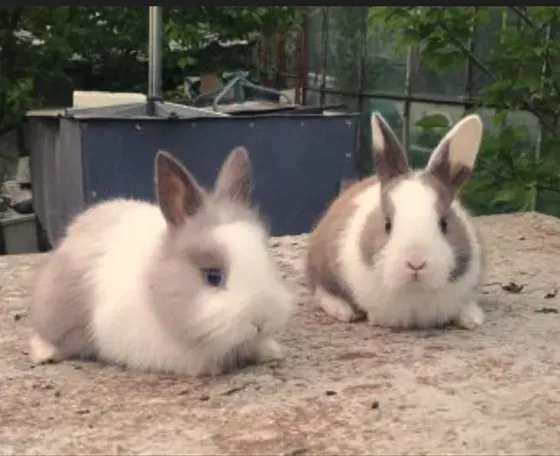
518	61
37	43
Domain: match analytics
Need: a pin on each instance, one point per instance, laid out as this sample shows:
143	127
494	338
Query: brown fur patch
451	175
322	257
446	178
374	237
391	160
387	206
456	233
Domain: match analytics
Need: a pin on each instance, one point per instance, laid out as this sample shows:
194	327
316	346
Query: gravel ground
344	388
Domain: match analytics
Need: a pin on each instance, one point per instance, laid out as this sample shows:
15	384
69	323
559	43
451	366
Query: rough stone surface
344	389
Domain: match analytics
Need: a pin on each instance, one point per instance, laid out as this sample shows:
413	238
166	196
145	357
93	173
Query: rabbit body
398	247
196	295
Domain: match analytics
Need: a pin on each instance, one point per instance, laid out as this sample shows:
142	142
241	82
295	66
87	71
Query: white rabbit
398	247
187	287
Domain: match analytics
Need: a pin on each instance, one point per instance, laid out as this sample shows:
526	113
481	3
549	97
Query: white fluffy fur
383	290
40	351
124	326
334	306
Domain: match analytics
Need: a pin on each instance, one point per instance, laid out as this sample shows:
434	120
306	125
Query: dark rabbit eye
213	276
388	225
443	224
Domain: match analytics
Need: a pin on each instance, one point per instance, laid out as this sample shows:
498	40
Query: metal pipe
398	97
155	58
405	136
325	23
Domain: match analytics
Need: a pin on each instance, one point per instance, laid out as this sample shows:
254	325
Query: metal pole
325	50
407	92
155	57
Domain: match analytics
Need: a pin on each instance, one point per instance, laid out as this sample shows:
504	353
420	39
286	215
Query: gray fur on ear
179	194
463	141
390	158
452	161
235	180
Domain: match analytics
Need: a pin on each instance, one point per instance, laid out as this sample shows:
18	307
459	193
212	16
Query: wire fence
351	62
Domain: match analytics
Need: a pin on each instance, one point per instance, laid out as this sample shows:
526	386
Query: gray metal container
79	157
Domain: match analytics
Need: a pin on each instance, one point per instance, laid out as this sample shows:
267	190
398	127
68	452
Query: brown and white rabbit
187	287
399	247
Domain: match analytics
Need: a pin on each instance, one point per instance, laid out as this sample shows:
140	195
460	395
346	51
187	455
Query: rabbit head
422	237
214	284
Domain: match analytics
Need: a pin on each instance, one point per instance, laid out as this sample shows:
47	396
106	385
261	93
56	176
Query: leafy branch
521	76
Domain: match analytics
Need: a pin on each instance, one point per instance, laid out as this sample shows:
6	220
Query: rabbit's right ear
389	156
235	179
452	161
179	195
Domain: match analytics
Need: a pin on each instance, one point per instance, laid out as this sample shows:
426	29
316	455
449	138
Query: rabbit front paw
470	317
337	307
42	352
268	350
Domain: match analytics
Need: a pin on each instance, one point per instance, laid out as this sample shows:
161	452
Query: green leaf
432	121
186	60
512	195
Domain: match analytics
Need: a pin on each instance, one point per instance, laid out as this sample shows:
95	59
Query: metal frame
238	82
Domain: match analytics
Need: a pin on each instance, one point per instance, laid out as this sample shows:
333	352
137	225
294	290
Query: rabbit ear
235	180
452	161
179	194
390	158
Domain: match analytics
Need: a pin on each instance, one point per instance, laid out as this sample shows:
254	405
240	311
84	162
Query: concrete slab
345	388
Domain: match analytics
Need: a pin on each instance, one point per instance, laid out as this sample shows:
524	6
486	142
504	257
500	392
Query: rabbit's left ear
389	155
179	194
452	161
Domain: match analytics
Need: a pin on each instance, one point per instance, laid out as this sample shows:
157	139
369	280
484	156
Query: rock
23	175
494	390
20	199
23	202
8	189
9	213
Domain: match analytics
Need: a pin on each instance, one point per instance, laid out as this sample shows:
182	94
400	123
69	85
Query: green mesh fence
348	52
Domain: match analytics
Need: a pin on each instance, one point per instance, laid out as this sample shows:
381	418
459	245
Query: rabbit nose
416	266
